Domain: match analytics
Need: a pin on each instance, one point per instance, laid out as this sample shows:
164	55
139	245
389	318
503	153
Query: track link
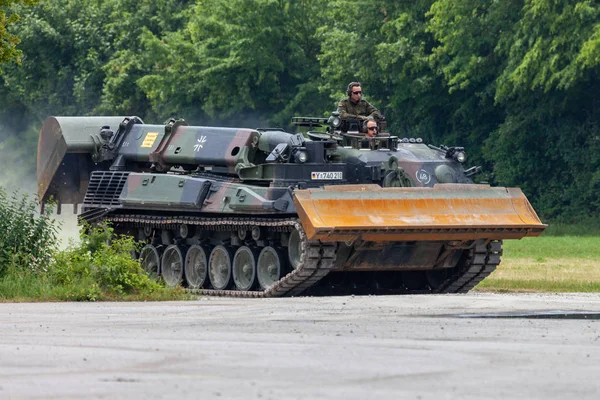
481	261
316	260
477	263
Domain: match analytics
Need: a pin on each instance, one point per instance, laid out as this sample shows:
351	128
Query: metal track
477	263
482	260
317	258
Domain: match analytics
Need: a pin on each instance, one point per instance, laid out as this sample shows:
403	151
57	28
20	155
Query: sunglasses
372	128
359	92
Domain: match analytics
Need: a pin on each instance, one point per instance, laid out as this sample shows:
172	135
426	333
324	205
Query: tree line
516	82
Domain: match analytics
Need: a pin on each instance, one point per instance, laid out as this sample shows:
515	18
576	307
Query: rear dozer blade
444	212
64	159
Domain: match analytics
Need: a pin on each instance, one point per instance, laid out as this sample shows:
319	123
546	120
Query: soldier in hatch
371	129
355	106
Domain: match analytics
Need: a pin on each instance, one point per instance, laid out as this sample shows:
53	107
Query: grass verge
92	271
31	269
547	264
20	286
100	267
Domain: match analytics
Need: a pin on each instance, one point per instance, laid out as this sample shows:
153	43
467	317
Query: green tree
8	40
239	61
131	21
515	81
550	141
389	47
64	46
73	53
518	75
539	60
555	45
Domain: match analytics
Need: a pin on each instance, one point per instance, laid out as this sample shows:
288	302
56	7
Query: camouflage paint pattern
424	166
362	108
146	191
141	141
336	190
209	146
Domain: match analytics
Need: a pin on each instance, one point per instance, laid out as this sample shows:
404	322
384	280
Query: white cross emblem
200	144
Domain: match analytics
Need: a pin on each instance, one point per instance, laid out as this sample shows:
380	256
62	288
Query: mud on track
391	347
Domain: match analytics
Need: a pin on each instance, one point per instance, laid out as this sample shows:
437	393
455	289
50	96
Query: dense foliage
99	267
9	40
516	82
101	263
27	238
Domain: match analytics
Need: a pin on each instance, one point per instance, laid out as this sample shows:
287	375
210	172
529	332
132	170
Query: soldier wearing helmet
355	106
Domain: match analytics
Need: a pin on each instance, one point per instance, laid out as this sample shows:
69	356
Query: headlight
456	153
336	122
301	156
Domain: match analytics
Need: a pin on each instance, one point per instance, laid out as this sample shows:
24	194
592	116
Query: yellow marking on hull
149	139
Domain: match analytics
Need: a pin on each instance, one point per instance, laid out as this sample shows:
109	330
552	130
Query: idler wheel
270	267
244	268
219	268
196	267
295	249
150	261
172	266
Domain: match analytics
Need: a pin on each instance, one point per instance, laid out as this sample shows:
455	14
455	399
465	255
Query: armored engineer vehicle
264	212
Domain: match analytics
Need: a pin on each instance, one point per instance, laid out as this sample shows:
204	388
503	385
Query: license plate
326	176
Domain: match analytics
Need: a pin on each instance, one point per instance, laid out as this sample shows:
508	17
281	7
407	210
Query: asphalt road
394	347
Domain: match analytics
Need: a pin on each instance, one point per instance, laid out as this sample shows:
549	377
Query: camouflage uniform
361	110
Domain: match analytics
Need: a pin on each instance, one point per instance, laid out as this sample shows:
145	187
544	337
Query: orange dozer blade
444	212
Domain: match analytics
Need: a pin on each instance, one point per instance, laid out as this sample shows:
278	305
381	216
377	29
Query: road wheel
244	268
150	261
196	267
295	249
270	267
219	268
172	266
